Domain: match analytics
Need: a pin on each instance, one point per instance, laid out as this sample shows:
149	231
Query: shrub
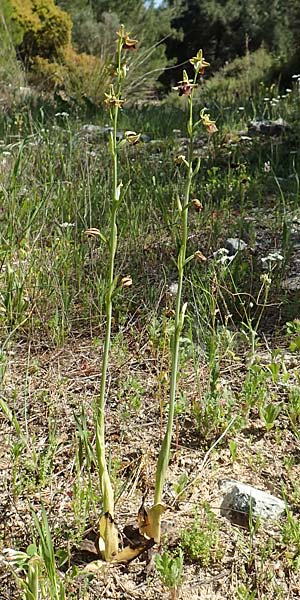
79	75
46	75
45	28
86	75
41	33
241	76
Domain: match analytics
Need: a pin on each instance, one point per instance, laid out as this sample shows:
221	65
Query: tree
226	29
94	31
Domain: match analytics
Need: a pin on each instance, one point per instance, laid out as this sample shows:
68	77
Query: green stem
164	455
105	483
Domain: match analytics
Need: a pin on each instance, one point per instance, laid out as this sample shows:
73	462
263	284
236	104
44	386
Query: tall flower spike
199	63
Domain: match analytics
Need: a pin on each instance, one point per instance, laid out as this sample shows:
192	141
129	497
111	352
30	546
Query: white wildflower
66	225
272	257
173	288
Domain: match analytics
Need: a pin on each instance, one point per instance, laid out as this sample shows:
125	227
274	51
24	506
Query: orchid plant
149	520
108	541
185	87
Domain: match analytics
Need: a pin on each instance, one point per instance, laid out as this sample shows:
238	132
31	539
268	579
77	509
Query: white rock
239	499
233	245
291	283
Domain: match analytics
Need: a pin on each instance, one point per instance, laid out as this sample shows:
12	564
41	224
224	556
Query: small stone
291	284
267	127
240	500
233	245
145	138
90	129
96	131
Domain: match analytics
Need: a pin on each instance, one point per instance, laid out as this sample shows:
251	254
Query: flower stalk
114	102
185	87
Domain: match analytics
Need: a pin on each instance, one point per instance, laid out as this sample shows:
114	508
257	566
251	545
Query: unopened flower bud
197	204
199	256
126	281
124	71
93	232
180	159
132	137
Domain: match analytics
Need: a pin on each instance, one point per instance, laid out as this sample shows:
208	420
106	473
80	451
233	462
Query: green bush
79	75
86	75
41	33
241	76
43	29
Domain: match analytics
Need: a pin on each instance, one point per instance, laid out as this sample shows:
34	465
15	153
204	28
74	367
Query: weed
170	568
291	537
180	487
232	449
42	579
214	411
269	413
293	409
201	540
293	332
244	593
254	387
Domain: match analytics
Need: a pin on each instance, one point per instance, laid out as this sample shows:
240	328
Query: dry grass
55	384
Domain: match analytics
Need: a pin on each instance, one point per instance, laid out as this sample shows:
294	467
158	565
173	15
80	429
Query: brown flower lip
126	281
212	128
197	204
112	100
129	44
184	88
199	256
132	137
